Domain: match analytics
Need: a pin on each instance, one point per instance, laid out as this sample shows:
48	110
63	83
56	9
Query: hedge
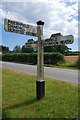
0	57
78	64
31	58
53	58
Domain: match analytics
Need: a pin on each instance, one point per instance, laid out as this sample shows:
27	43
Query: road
55	73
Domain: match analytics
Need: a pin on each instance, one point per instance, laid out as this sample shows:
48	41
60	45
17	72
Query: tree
49	49
26	50
17	48
63	49
23	49
58	48
4	49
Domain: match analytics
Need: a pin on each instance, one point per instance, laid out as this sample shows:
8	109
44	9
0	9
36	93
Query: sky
59	16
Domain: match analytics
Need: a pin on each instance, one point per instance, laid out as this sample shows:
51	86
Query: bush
0	57
53	58
31	58
78	64
20	57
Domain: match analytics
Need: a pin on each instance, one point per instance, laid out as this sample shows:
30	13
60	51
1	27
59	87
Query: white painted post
40	83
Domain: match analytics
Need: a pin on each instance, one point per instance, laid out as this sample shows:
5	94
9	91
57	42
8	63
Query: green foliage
26	50
17	49
49	49
75	65
78	64
23	49
20	57
31	58
4	49
59	48
63	49
0	57
73	53
53	58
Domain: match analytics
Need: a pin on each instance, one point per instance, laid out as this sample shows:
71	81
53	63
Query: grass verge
65	65
19	97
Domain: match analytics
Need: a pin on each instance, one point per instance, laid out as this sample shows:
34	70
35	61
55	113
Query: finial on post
40	22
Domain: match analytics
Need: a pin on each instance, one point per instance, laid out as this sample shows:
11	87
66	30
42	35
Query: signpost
19	27
37	31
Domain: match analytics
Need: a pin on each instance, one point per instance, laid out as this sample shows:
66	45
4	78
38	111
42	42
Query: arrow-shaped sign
19	27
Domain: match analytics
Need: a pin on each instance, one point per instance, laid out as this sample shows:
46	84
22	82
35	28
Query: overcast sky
58	15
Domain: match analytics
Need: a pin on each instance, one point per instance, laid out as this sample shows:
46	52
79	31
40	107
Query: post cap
40	22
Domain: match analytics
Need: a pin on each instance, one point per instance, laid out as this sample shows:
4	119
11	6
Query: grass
19	97
65	65
0	92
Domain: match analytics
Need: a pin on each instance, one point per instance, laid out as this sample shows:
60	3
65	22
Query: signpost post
40	83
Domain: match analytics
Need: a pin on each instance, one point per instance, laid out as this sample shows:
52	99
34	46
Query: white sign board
56	37
69	39
59	39
19	27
